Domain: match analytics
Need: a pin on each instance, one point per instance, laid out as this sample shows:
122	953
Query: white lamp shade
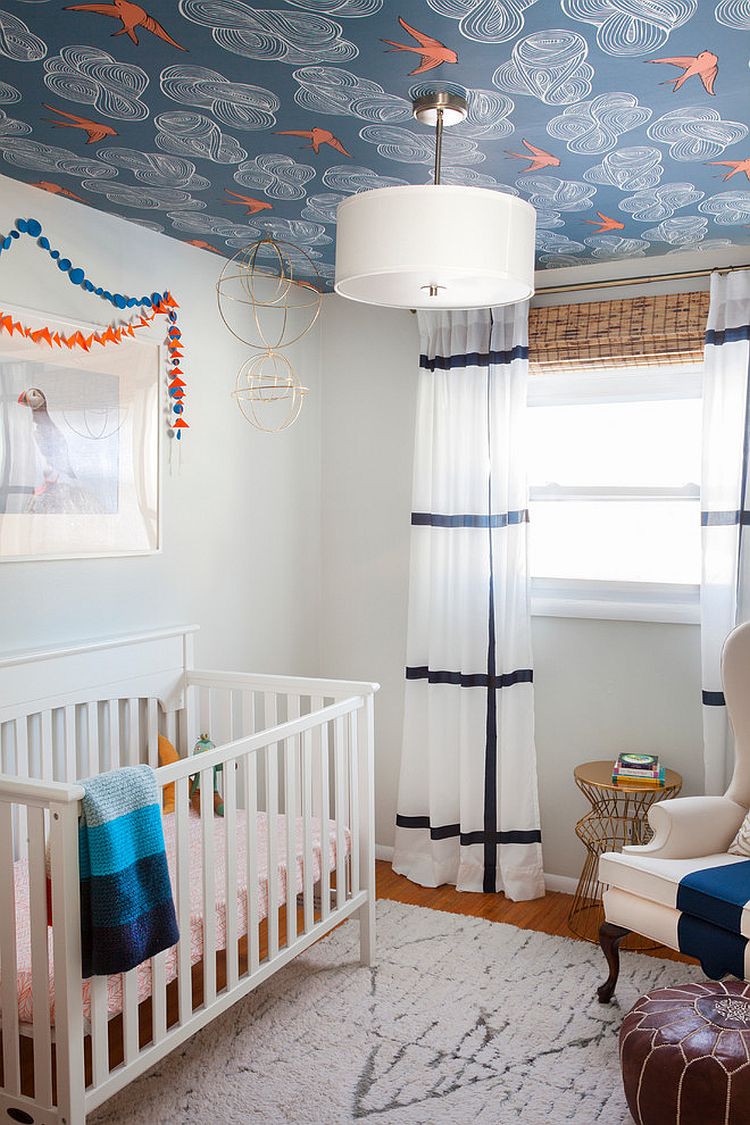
473	246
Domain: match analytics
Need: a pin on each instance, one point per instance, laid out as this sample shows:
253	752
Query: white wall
601	686
241	517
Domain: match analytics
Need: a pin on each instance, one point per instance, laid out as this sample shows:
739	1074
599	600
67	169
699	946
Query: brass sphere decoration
268	392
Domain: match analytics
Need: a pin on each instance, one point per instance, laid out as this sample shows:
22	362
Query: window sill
615	601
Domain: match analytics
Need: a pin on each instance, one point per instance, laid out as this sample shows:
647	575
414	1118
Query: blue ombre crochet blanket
127	911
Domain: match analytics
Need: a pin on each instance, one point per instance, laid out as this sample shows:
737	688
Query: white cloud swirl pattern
595	126
548	193
344	9
695	132
612	246
327	89
185	133
8	94
487	116
278	176
351	178
728	208
156	169
654	204
17	42
548	65
683	231
237	104
321	208
257	33
395	143
551	243
142	198
11	127
90	76
631	27
25	153
629	169
485	21
734	14
469	177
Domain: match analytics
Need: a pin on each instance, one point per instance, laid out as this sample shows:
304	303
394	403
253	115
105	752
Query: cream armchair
683	889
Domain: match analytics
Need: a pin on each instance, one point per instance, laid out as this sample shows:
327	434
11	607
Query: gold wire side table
618	817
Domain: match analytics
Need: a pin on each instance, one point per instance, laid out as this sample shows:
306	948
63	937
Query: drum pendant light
435	246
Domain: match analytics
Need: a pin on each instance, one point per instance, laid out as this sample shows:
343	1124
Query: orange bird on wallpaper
433	52
316	137
705	66
201	245
604	223
55	189
252	206
735	166
538	157
96	130
131	16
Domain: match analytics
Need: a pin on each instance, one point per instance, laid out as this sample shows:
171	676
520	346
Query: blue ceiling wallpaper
624	122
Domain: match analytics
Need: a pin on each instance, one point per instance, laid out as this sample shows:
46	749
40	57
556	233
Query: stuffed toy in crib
204	743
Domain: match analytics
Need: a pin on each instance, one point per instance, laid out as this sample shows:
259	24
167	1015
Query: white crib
297	780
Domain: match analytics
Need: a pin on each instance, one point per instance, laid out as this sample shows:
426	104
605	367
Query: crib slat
92	739
113	723
230	858
71	759
307	833
325	816
134	733
338	755
48	767
250	770
172	728
290	817
272	805
182	847
248	712
158	997
153	733
130	1014
39	959
8	962
354	802
99	1034
209	887
21	736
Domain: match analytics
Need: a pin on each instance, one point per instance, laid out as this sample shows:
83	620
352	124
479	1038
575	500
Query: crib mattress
143	972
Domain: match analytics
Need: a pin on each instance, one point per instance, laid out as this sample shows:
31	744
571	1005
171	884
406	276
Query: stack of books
641	769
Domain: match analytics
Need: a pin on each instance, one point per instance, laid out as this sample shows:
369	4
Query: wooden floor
548	915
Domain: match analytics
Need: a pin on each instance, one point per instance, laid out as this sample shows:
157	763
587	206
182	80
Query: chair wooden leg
610	937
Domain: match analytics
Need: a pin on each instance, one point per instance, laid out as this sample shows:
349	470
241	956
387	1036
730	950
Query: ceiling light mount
436	246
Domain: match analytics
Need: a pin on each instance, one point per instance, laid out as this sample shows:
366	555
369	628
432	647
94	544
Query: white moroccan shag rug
463	1022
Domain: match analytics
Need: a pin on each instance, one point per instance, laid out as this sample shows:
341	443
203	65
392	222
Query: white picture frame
80	436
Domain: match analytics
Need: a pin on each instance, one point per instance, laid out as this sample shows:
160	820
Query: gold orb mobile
268	392
269	294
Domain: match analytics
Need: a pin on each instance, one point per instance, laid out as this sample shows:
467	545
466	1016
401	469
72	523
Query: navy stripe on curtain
502	519
472	359
449	831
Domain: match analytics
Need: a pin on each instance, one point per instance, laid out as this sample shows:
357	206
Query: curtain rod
618	282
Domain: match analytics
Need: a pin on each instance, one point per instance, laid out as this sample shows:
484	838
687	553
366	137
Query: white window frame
615	601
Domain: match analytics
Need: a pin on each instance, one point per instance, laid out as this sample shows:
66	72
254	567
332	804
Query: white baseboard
565	883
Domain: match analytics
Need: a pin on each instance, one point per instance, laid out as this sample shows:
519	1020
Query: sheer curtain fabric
724	504
468	809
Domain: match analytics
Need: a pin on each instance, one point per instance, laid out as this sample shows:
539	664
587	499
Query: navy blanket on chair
127	911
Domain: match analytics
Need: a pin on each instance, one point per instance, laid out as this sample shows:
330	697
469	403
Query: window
614	473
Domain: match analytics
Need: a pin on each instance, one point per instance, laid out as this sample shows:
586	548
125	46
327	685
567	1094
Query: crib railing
301	749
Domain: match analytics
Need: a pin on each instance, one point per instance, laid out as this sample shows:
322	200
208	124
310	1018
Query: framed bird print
79	444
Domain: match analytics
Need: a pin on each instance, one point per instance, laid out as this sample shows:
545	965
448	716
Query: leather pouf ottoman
685	1055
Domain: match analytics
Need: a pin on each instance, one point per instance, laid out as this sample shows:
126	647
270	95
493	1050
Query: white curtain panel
724	504
468	809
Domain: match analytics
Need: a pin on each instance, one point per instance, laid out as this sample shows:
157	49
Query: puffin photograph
58	491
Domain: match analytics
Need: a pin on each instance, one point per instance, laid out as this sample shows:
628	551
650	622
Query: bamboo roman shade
635	332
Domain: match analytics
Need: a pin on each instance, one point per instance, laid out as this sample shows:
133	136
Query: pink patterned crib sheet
143	972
